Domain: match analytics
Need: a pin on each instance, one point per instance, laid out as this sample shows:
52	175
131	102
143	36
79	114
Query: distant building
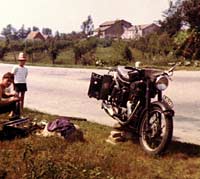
139	31
35	35
147	29
112	29
130	33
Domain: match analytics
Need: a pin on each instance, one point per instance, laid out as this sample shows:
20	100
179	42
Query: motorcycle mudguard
167	110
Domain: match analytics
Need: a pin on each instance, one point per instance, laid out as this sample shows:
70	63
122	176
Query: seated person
8	102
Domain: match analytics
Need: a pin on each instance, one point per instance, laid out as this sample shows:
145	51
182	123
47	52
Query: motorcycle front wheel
155	132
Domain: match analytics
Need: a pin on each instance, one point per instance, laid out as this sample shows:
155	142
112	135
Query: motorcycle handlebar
171	70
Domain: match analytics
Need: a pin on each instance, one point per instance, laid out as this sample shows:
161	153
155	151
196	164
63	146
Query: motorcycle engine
119	96
135	90
123	99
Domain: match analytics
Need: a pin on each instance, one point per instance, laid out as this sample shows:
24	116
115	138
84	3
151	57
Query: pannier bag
95	86
106	87
99	86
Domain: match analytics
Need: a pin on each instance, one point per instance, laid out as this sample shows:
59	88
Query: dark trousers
13	106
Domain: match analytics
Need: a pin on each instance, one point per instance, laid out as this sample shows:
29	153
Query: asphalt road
63	91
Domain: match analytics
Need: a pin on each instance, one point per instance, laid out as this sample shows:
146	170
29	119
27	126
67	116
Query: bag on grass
61	125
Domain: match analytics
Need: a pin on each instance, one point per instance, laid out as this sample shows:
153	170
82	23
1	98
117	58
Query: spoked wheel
156	132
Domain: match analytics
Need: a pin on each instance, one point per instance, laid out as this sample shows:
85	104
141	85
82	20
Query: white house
139	31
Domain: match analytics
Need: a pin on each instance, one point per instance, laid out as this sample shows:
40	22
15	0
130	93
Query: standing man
8	102
20	74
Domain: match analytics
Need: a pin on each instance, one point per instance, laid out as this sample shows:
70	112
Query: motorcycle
134	97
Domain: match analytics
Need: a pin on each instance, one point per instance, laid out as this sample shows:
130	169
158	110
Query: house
130	33
112	29
139	31
147	29
35	35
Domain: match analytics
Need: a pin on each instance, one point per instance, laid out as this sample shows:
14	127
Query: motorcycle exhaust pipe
108	109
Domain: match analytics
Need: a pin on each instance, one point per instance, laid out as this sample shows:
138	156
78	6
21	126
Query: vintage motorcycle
134	97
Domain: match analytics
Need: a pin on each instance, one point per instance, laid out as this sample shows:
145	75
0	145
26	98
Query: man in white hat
20	74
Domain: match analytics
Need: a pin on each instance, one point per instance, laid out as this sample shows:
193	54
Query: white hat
21	56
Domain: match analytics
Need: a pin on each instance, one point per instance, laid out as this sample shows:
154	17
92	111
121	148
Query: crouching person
9	102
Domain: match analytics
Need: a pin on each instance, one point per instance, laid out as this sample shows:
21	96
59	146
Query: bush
62	44
123	51
105	42
2	52
181	37
82	47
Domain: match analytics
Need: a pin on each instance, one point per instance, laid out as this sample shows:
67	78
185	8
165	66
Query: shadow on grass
191	150
177	148
3	174
10	133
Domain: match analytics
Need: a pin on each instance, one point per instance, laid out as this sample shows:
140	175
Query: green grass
52	157
66	57
104	54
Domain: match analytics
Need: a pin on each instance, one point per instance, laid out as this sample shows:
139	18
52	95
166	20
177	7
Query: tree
47	31
88	26
22	32
190	48
180	13
7	31
173	19
191	15
165	44
35	28
29	52
141	44
3	49
62	36
84	47
28	30
127	54
57	35
53	52
122	52
10	32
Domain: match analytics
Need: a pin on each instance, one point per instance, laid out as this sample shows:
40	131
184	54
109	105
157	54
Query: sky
67	15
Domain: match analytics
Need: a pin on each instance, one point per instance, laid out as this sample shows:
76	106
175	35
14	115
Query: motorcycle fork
147	96
159	95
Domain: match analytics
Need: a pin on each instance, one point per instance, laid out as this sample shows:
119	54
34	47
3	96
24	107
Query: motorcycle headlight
162	83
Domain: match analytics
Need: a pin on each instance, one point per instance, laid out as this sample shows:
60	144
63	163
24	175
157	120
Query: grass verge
52	157
66	60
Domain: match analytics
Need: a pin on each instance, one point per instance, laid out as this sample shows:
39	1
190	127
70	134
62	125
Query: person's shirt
20	74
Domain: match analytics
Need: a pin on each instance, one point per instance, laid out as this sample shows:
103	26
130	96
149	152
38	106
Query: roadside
63	91
79	66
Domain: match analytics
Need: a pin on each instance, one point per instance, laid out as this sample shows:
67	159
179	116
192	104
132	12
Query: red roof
108	23
35	35
144	26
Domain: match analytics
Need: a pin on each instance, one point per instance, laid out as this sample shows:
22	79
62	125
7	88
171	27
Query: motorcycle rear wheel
155	133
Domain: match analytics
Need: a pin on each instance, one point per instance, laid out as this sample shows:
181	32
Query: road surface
63	91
